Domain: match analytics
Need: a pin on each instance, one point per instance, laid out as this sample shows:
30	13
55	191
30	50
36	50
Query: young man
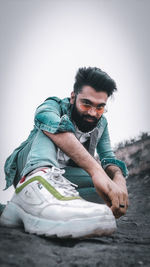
62	144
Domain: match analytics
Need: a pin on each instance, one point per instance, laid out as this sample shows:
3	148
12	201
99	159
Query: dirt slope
129	246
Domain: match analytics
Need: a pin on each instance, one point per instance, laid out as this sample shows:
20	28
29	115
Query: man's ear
72	99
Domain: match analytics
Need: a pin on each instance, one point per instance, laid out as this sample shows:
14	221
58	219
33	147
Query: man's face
87	119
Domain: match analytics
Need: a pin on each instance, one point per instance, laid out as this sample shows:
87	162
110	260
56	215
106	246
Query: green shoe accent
49	187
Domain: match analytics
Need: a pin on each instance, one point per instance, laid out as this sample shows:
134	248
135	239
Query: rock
136	155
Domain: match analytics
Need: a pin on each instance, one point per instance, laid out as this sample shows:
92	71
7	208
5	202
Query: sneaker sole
14	216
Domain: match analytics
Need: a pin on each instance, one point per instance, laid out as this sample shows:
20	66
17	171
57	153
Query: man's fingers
115	206
118	212
104	197
116	199
124	203
119	205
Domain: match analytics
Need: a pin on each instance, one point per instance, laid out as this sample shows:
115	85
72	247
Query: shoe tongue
64	186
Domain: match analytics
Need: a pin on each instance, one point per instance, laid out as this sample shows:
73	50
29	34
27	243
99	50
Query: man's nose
92	112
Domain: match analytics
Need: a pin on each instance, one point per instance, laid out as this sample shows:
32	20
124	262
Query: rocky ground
129	246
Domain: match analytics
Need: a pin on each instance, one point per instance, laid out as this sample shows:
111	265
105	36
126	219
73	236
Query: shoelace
55	174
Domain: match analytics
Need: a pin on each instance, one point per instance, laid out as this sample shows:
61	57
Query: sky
44	42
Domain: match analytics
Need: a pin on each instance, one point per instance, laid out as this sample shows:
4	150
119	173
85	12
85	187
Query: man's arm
108	189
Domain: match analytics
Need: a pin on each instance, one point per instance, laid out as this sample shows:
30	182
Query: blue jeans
41	151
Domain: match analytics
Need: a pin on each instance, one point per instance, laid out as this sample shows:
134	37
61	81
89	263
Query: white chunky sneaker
47	204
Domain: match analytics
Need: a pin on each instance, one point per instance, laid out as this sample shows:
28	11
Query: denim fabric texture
54	116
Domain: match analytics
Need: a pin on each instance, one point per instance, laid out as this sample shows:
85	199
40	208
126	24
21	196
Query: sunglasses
86	107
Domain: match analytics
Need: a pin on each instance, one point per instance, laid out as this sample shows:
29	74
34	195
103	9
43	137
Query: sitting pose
59	183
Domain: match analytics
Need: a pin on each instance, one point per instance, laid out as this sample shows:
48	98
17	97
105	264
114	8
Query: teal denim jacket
54	116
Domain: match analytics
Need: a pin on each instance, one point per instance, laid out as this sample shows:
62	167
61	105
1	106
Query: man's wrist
119	179
114	172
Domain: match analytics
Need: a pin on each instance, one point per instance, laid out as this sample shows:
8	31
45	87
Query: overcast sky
44	42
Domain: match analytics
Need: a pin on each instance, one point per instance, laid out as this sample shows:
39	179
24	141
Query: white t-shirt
82	137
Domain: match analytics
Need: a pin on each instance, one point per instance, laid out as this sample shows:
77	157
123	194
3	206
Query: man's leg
47	203
41	152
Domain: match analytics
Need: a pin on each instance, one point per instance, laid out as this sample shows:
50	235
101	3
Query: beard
81	120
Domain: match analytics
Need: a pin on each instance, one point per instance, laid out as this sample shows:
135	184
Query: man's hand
115	197
112	192
115	174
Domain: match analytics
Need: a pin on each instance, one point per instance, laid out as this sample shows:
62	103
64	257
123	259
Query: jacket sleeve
49	117
106	154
